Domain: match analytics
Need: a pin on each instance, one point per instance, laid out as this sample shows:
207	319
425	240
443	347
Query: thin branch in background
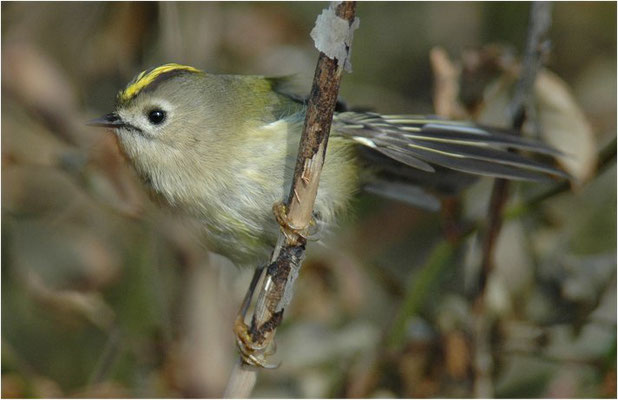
295	217
540	21
446	85
109	355
607	157
536	46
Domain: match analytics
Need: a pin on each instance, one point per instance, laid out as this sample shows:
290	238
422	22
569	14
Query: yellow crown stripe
146	77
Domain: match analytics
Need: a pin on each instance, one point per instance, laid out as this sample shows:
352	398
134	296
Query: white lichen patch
333	36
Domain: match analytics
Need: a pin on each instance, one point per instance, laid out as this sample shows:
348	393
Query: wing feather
421	141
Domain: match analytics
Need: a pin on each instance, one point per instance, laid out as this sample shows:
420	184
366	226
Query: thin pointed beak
111	120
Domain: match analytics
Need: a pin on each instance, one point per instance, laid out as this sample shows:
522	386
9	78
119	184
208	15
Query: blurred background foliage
104	295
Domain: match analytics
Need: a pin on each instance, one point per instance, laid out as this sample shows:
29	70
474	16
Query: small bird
222	149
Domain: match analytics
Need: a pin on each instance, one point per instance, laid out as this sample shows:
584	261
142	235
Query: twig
561	360
276	289
446	85
540	21
606	157
107	357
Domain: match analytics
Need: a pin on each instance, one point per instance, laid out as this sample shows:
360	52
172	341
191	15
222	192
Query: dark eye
156	116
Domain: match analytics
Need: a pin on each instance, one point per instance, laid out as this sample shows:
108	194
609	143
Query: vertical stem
540	22
276	290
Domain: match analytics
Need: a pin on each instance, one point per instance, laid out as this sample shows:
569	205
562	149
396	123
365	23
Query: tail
422	142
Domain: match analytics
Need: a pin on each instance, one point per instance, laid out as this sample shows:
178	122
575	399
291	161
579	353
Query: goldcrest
222	149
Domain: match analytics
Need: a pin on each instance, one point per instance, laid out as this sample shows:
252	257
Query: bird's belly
239	224
242	227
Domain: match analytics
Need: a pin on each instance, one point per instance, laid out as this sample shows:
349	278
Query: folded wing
422	142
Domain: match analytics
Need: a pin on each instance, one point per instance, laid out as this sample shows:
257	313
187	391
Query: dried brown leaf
564	126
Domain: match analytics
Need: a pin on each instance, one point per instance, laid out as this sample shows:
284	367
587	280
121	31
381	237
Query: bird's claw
252	353
309	232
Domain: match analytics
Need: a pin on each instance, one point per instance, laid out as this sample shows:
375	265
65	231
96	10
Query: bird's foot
252	353
309	232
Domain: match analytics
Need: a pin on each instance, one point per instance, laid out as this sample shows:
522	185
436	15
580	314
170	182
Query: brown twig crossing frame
295	217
